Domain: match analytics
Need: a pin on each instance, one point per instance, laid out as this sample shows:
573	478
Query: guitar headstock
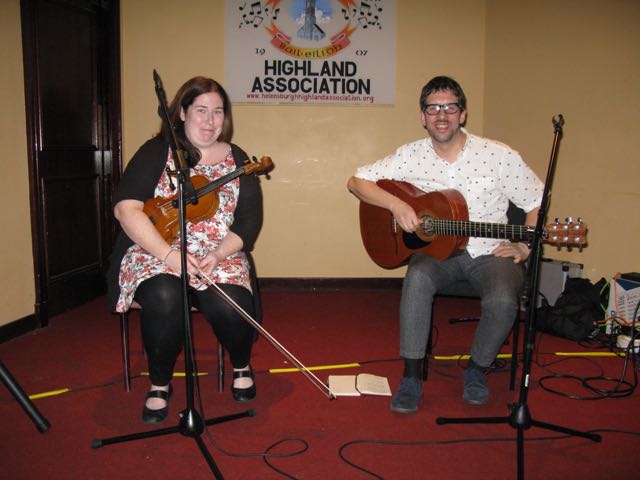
264	165
568	234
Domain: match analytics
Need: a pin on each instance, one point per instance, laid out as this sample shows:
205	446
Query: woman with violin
146	264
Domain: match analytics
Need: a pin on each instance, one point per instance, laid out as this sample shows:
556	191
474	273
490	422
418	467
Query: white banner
311	51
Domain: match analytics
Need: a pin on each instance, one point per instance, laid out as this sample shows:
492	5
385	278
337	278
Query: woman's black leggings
163	329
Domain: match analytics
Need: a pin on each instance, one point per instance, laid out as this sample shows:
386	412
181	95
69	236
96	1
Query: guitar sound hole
412	241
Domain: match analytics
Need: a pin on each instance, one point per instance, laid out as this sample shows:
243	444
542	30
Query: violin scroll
264	165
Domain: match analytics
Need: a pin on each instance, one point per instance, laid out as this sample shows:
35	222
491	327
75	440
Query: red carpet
80	351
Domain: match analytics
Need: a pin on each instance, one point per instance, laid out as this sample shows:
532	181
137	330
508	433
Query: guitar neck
460	228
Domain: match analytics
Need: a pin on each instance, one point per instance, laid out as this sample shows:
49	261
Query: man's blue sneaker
407	397
476	390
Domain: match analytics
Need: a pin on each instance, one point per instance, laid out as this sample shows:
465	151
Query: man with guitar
485	175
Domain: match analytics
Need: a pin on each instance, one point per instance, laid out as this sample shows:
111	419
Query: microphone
162	98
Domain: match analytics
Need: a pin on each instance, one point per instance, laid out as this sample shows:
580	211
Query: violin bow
314	379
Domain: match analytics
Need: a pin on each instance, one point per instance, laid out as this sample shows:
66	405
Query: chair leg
126	366
463	320
427	353
514	353
220	367
124	339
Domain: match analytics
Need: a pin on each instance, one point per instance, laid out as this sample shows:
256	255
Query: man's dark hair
438	84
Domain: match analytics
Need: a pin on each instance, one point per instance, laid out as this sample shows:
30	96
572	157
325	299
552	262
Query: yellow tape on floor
49	394
466	357
352	365
319	367
177	374
589	354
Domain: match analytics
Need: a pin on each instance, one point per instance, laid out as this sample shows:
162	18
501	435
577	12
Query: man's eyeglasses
449	108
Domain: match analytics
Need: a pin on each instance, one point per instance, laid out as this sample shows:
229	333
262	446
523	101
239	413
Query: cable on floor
360	468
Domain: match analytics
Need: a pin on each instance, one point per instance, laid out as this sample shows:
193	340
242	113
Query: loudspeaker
552	277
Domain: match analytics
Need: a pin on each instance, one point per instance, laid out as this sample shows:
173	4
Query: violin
164	212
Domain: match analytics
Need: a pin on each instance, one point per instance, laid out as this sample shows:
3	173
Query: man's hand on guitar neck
519	251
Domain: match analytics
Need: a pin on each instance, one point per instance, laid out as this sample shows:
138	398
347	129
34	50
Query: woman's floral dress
202	237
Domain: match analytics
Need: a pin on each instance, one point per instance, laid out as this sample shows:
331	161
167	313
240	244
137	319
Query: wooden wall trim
17	328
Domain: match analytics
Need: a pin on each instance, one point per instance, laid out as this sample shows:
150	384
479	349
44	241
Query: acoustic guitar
444	228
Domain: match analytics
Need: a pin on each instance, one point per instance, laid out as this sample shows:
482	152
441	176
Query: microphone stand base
520	419
191	425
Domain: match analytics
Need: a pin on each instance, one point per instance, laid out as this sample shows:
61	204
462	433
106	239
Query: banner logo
302	30
311	51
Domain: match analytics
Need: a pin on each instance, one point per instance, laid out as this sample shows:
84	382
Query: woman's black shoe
159	415
244	394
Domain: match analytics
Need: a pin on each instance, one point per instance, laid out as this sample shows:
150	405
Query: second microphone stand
520	416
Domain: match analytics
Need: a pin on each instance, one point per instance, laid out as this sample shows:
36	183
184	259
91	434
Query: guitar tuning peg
569	220
557	220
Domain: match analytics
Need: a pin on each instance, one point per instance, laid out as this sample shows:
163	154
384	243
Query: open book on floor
356	385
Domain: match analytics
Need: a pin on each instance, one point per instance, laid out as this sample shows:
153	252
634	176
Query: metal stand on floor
38	420
520	416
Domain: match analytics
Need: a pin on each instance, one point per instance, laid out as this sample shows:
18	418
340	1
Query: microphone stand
191	423
520	416
41	423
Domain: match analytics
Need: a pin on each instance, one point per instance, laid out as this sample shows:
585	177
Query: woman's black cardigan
139	183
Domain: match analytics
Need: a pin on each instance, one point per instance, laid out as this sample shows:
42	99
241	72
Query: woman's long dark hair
184	98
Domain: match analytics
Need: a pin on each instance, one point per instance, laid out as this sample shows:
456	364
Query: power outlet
623	342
